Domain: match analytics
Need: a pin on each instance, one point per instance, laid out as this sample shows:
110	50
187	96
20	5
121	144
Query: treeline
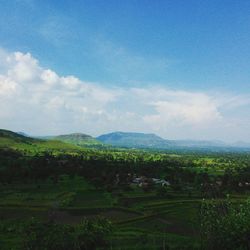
117	170
15	166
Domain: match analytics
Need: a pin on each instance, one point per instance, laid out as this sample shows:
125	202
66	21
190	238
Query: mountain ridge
150	140
118	139
133	139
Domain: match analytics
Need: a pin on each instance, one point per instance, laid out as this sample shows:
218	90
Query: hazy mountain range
141	140
122	140
134	140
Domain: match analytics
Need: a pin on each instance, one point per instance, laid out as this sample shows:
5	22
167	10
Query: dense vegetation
83	198
225	225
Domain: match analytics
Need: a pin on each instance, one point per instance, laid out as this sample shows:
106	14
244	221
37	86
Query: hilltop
133	140
77	139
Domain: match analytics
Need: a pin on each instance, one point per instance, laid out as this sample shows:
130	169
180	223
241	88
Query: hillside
9	139
77	139
6	135
134	140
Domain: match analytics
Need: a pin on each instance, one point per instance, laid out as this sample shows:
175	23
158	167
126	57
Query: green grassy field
72	199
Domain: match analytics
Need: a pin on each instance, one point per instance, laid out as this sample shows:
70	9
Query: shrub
225	225
89	234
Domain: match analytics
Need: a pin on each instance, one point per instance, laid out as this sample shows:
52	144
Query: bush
89	234
162	191
225	225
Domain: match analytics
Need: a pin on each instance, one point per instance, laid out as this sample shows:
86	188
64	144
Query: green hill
18	137
77	139
9	139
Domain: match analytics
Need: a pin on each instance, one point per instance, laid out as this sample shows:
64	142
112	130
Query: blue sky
176	68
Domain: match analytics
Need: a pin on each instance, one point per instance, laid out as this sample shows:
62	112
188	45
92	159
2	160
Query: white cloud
38	97
7	86
49	77
181	108
39	101
23	67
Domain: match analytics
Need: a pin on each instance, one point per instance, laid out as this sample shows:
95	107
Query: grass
21	201
39	146
144	221
92	198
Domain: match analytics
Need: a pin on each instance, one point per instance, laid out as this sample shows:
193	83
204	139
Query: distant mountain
22	133
78	139
134	140
152	141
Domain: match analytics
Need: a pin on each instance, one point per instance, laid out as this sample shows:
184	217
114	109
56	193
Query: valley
153	199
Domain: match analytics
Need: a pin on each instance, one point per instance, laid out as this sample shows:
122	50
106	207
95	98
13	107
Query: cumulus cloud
34	96
184	108
39	101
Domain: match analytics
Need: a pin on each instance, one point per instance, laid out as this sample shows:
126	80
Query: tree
225	225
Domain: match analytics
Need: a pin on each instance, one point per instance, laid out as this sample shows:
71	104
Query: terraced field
146	220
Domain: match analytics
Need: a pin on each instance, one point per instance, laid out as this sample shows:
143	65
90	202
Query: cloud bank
39	101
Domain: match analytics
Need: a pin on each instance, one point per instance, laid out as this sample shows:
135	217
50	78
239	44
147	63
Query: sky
179	69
